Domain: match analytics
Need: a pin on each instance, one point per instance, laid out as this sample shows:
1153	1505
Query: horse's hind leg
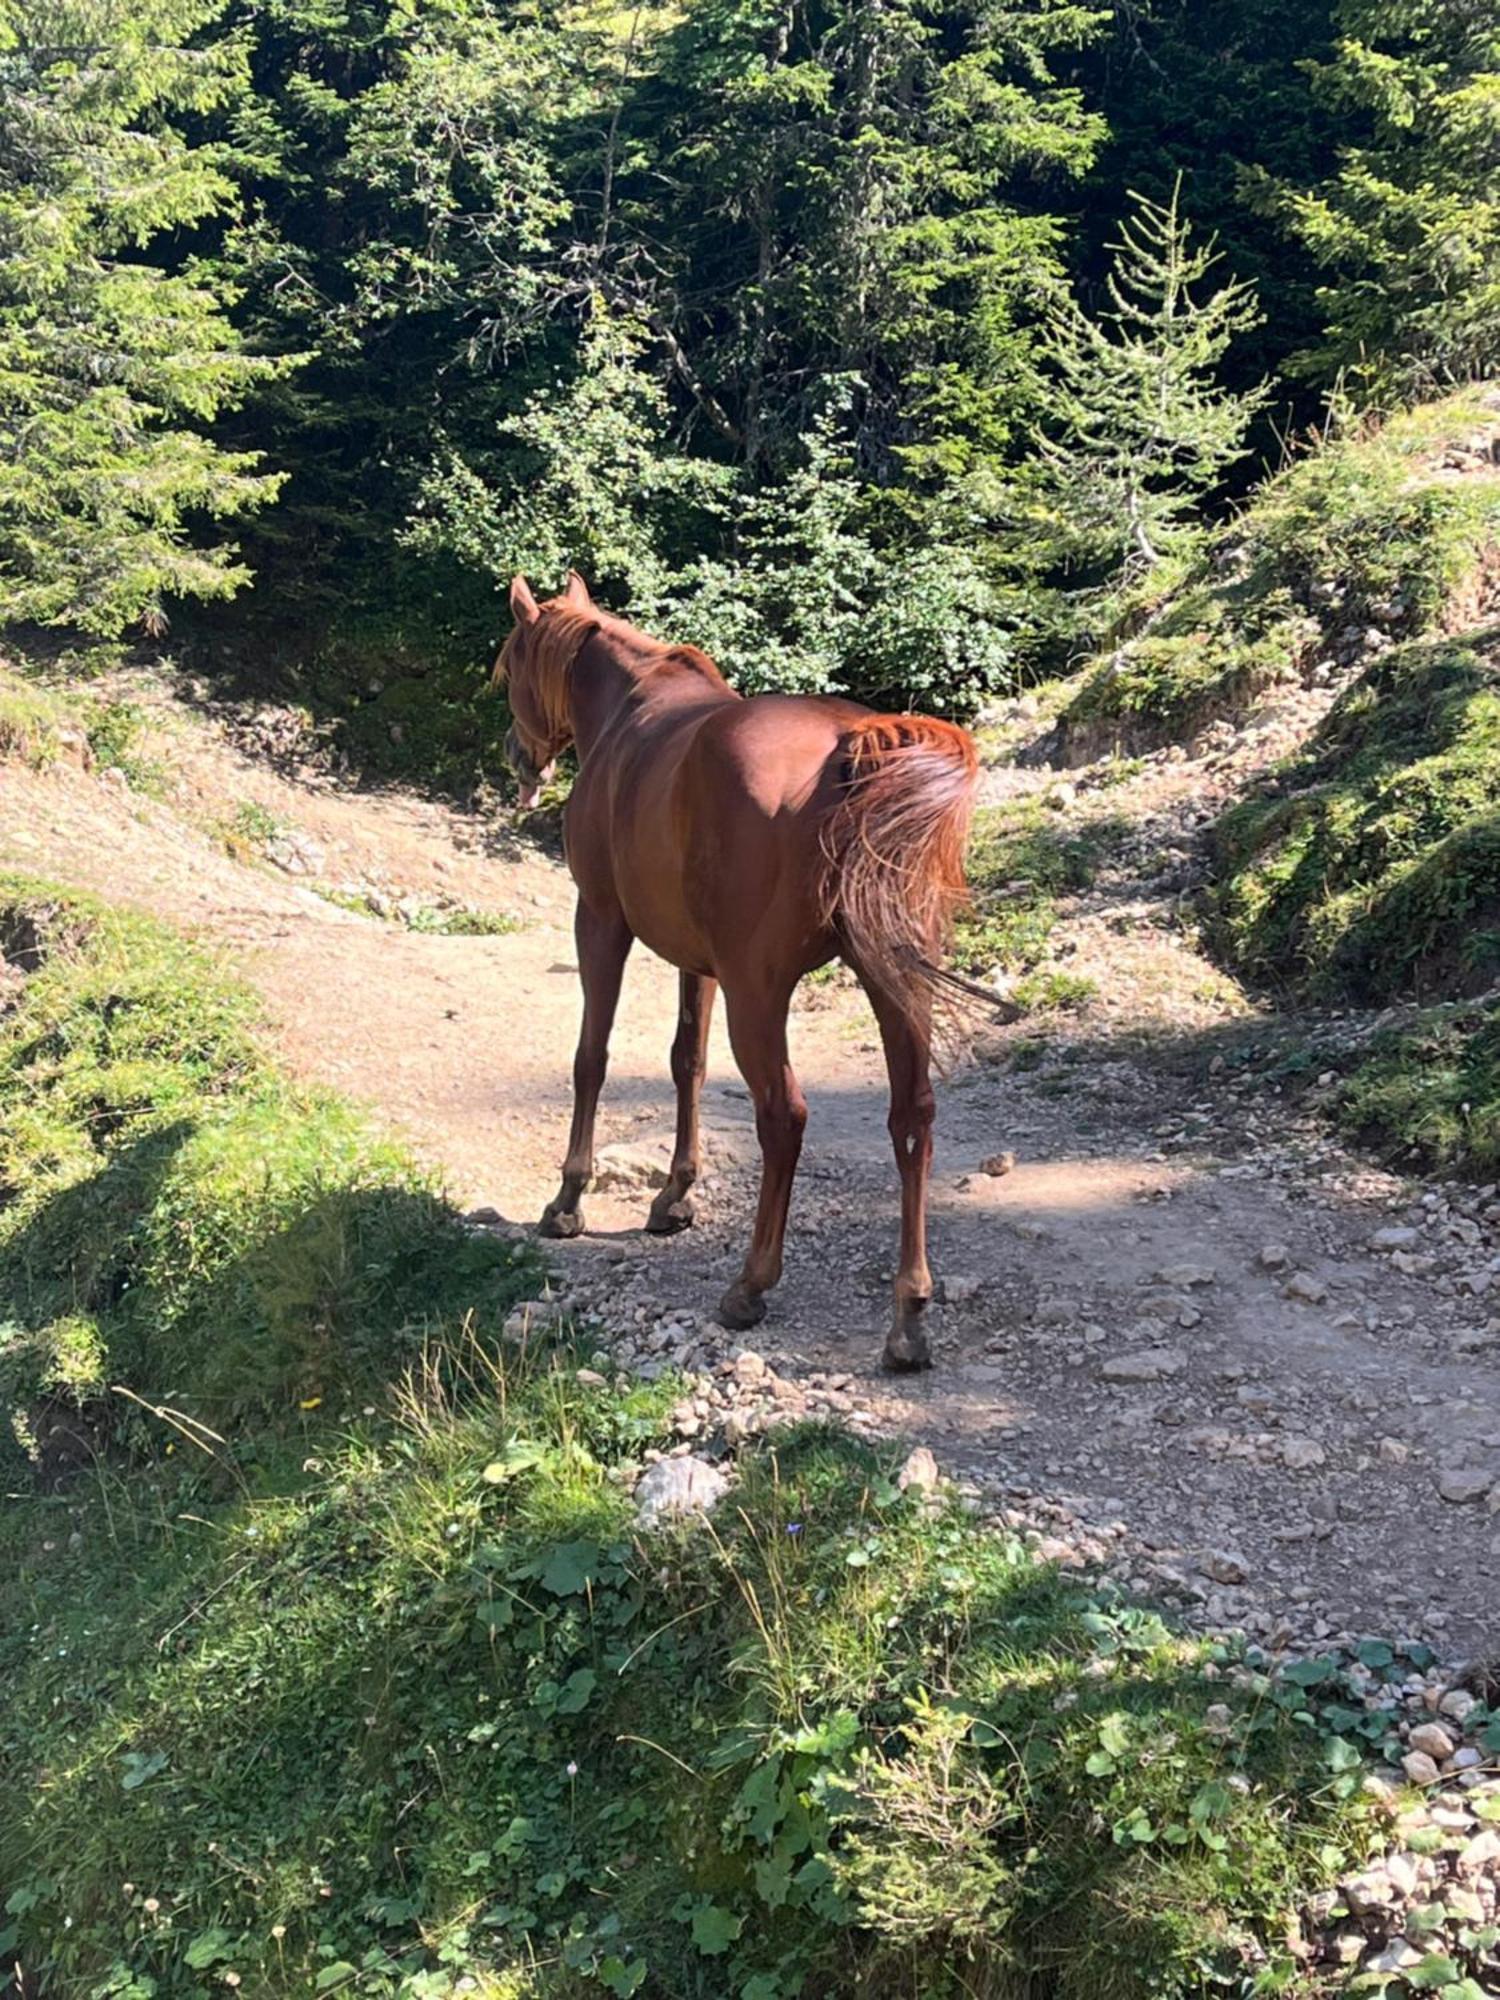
604	941
673	1207
906	1032
757	1033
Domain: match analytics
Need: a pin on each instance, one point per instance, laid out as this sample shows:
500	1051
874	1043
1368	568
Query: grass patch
1048	991
1372	869
35	726
248	832
115	731
1429	1094
1021	862
42	723
178	1220
1372	529
434	919
433	1712
458	920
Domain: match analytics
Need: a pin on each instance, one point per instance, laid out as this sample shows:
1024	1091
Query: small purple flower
794	1527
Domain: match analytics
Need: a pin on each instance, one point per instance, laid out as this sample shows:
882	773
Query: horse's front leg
604	940
907	1035
757	1033
673	1207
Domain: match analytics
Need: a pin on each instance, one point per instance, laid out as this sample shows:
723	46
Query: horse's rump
893	847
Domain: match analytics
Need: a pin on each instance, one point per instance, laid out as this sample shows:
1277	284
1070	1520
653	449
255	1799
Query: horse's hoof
560	1223
668	1216
907	1350
740	1309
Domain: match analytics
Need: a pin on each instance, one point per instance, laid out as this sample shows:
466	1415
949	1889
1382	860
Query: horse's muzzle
529	778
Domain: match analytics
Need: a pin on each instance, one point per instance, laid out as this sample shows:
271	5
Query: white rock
1395	1238
1482	1852
1301	1454
959	1288
688	1485
626	1166
1434	1739
1186	1274
1144	1364
1303	1285
1398	1956
1463	1484
1405	1871
920	1471
1275	1257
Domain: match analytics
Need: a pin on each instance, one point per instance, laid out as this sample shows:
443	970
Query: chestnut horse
746	842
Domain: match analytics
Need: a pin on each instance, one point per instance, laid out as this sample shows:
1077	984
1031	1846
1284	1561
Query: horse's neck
608	672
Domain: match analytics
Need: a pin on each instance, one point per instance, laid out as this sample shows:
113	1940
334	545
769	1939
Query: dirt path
1168	1324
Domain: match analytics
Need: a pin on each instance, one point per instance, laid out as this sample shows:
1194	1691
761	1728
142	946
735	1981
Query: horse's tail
894	849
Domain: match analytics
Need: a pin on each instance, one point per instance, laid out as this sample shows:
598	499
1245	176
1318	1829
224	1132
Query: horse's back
707	822
755	794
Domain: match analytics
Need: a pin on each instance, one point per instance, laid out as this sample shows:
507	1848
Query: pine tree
855	189
1140	431
1217	91
401	169
113	361
585	477
1409	227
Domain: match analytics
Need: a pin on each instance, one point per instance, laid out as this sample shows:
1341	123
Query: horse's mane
555	640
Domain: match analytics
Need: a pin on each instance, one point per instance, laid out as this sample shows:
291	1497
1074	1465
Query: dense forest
878	344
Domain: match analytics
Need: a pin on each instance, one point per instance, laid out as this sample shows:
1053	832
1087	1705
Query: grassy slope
180	1220
384	1694
1375	529
1371	868
1018	867
1368	871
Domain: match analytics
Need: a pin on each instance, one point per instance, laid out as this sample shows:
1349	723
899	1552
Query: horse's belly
669	933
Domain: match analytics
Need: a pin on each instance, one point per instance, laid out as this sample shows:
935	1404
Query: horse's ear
577	592
522	603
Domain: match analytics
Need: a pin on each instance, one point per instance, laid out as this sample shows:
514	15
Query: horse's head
533	666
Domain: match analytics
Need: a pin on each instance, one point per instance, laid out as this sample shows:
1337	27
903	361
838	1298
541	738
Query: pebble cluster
1428	1905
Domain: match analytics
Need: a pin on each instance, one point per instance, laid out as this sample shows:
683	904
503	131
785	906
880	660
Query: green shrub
1372	869
230	1241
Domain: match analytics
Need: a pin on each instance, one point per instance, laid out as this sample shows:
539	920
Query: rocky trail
1183	1335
